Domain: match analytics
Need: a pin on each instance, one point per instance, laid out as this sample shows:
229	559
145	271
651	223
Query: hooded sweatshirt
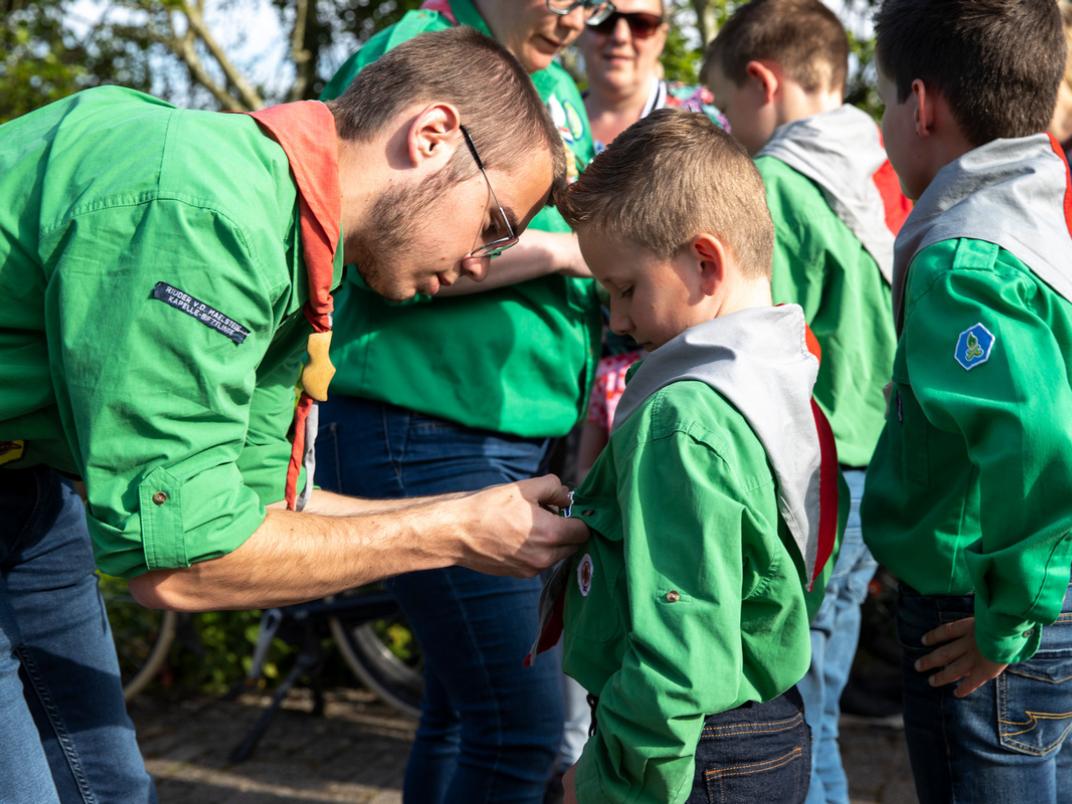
704	511
836	207
970	489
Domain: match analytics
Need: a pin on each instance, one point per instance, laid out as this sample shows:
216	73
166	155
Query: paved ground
357	751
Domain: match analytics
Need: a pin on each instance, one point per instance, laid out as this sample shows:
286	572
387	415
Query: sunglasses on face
594	10
641	24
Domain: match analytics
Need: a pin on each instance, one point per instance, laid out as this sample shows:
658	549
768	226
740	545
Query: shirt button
588	511
160	497
673	596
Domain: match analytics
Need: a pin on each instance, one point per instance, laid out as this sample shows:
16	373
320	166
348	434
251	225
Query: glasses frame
596	10
499	244
611	21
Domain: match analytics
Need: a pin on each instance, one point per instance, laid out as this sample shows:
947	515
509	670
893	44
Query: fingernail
919	664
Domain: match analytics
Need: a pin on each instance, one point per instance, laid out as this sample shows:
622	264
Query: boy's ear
924	111
712	261
766	77
434	133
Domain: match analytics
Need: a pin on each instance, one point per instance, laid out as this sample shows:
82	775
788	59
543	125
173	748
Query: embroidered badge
195	308
973	347
584	575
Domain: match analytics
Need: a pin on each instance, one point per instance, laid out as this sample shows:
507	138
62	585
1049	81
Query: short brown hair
496	99
998	63
804	37
671	176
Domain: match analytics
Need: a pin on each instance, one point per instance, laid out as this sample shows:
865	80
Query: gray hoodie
841	151
1008	192
757	359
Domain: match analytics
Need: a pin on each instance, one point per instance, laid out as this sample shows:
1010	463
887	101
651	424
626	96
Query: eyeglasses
499	244
641	24
595	11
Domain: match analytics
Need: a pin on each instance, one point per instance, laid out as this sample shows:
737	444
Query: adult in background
461	392
162	274
621	56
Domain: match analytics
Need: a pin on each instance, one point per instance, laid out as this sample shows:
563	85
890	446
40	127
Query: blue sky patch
974	346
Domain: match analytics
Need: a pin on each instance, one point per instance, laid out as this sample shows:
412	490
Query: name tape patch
973	347
195	308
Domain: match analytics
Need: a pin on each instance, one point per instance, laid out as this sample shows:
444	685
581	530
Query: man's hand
959	658
508	530
569	785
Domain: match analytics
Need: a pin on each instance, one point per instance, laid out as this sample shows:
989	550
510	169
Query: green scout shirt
822	266
516	360
694	600
179	430
968	489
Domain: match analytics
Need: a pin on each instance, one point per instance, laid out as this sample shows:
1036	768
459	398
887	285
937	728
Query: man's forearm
328	503
503	530
293	557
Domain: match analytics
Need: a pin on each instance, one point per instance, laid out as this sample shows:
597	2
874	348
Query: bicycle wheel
142	636
384	655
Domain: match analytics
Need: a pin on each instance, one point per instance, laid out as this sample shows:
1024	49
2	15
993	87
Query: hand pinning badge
973	347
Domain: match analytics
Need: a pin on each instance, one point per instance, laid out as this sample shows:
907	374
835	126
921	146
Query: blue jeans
490	728
64	731
759	752
835	632
1006	742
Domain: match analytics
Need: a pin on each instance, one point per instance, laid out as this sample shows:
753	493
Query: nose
620	323
622	33
476	268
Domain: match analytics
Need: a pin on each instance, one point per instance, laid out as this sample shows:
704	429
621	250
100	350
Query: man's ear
712	261
434	134
924	108
765	77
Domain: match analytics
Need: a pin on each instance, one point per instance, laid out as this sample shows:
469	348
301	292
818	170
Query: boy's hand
959	658
569	786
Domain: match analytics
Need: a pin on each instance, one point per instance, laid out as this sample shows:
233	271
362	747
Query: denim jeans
835	632
1006	742
490	728
759	752
64	731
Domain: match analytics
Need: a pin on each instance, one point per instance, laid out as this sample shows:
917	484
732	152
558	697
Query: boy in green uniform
778	71
462	391
969	495
160	272
714	502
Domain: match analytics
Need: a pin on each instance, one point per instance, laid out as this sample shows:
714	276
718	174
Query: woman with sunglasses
621	55
464	391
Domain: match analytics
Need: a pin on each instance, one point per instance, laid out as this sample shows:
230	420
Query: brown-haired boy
969	495
685	615
778	69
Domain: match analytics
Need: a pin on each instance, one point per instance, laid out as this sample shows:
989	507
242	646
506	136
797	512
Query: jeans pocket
768	761
1035	702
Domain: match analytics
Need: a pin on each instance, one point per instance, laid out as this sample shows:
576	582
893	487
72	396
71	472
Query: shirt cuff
1004	639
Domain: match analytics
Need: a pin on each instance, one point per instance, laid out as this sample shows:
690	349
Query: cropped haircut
804	37
494	95
671	176
997	63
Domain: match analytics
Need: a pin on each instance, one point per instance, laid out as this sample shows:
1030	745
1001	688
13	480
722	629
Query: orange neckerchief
306	133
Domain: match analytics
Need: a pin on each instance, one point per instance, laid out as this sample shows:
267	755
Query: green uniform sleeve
1006	409
684	571
160	401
